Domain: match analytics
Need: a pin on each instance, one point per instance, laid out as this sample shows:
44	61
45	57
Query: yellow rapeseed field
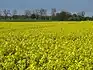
46	45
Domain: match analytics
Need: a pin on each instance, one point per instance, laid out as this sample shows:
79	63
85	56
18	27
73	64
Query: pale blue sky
69	5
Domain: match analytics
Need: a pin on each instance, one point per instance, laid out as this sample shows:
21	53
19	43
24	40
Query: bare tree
14	14
37	13
43	13
53	11
27	13
6	13
0	14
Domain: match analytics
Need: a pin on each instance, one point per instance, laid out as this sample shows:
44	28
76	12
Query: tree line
42	14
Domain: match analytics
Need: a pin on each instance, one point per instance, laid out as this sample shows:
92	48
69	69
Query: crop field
46	45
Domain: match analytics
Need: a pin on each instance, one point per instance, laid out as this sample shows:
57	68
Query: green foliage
46	46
